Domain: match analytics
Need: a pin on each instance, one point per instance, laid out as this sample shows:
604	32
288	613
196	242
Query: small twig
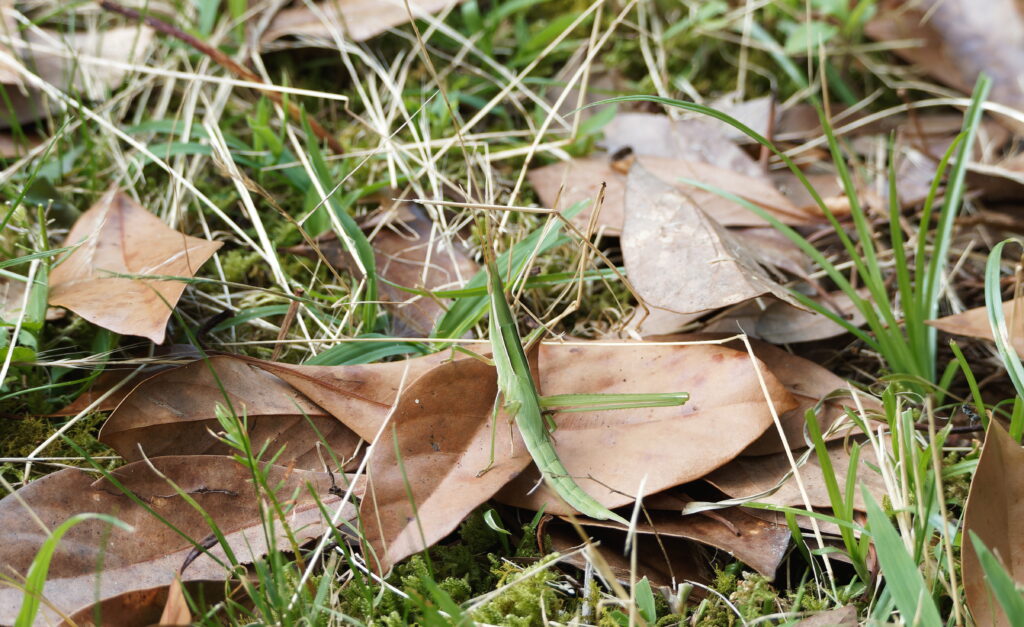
224	61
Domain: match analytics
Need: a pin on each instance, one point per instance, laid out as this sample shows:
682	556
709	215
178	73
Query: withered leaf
441	458
151	554
355	20
173	414
681	259
141	607
845	616
755	542
582	179
118	235
994	508
748	476
610	452
781	323
974	323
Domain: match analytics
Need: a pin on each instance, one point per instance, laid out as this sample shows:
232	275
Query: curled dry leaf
748	476
781	323
118	235
994	508
755	542
611	452
410	254
583	178
974	323
445	453
173	414
681	259
355	20
152	552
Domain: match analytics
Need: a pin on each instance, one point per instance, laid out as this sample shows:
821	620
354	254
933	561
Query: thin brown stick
226	62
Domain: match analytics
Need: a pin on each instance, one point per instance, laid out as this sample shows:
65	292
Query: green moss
241	266
527	602
18	438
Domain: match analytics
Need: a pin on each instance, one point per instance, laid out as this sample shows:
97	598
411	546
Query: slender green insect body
522	401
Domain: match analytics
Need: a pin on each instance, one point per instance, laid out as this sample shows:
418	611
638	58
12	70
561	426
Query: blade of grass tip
40	567
1000	332
902	577
522	401
952	203
1000	582
972	383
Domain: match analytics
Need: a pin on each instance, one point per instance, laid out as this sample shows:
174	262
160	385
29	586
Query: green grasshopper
523	403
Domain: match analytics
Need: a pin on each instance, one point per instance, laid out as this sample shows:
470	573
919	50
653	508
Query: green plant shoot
515	382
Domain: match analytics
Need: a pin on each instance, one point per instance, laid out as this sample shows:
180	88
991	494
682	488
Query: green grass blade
40	567
903	578
997	320
1000	582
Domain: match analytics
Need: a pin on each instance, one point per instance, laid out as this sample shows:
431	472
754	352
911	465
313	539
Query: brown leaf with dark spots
152	553
355	20
439	459
995	506
757	543
172	413
118	235
680	258
610	452
974	323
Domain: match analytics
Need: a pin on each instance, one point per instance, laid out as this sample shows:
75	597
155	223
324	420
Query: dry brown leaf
974	323
583	178
176	610
696	139
152	553
140	607
12	295
355	20
173	414
757	543
71	62
953	42
681	259
747	476
672	562
401	253
808	382
118	235
994	508
845	616
780	323
421	487
610	452
772	248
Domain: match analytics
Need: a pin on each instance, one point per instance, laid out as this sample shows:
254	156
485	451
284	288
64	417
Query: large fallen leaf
974	323
70	61
994	509
845	616
118	235
355	20
173	414
444	454
757	543
681	259
953	41
781	323
749	476
809	383
611	452
410	254
152	553
582	180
